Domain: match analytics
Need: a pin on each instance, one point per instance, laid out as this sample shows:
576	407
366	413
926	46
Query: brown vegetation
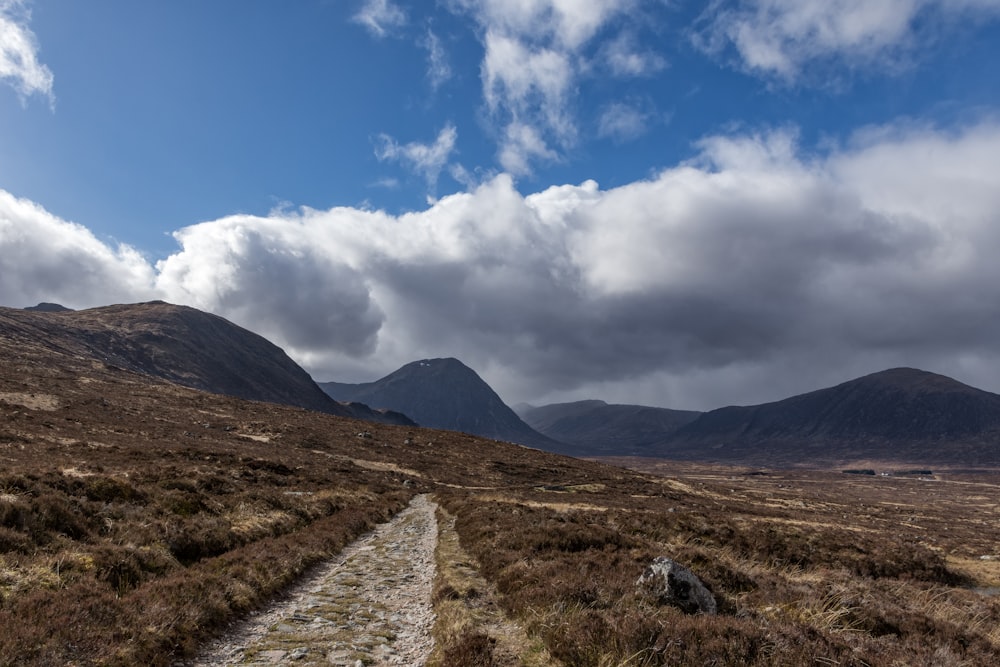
138	518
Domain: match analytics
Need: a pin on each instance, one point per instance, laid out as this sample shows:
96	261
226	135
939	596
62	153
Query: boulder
672	583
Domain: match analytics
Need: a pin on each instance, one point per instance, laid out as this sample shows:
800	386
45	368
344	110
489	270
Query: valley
141	519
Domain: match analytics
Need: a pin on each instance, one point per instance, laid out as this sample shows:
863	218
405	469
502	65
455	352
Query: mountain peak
914	379
444	363
443	393
46	307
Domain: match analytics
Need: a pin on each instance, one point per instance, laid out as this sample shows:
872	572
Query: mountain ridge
183	345
596	428
898	412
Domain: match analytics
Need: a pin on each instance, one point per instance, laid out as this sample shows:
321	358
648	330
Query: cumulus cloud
781	37
750	272
287	276
19	64
426	159
45	258
535	52
380	17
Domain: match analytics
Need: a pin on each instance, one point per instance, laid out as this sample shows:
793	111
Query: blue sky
668	202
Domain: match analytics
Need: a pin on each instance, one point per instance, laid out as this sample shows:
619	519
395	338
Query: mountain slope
598	428
901	413
444	394
181	345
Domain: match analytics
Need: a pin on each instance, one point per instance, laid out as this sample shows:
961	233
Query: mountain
45	307
140	519
597	428
898	414
444	394
182	345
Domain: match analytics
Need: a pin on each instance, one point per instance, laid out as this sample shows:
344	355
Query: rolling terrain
594	428
139	518
898	416
901	414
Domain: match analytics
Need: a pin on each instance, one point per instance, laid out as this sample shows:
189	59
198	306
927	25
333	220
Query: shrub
110	490
471	650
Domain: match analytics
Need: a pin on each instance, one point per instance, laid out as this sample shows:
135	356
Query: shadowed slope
446	394
597	428
181	345
898	414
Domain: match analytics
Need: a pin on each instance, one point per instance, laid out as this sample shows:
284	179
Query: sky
665	202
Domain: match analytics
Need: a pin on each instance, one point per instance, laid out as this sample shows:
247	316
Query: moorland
139	518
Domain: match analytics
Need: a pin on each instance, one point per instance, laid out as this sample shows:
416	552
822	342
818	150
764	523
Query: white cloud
565	24
19	64
45	258
293	278
626	59
520	146
528	83
781	37
438	68
534	57
381	17
622	122
750	272
426	159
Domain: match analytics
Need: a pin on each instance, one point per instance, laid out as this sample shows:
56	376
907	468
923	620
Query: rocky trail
371	605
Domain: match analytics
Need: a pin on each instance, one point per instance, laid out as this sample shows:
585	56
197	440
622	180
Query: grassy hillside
138	518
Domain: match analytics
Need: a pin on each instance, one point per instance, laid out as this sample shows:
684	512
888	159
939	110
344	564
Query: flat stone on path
371	605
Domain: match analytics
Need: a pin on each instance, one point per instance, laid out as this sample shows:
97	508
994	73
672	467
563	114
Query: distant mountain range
902	414
898	414
182	345
445	394
596	428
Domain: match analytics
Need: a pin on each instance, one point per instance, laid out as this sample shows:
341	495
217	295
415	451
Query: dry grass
138	518
795	585
470	628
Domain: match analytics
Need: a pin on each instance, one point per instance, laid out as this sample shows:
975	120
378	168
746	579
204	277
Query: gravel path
369	606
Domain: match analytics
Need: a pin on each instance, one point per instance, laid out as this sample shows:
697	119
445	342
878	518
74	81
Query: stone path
370	606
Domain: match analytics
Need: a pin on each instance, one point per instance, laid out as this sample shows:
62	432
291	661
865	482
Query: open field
138	518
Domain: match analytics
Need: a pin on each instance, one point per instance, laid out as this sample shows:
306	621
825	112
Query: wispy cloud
438	67
778	38
622	122
19	64
381	17
426	159
626	59
521	145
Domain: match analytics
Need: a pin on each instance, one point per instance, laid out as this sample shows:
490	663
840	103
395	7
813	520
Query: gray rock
672	583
